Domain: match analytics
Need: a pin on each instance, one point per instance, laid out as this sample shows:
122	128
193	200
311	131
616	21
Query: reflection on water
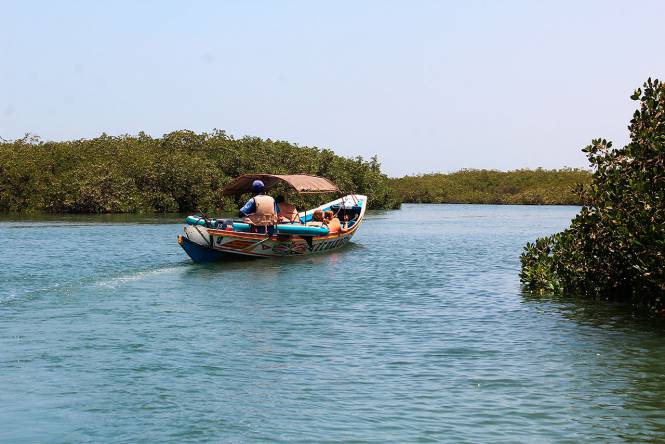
418	331
599	313
627	370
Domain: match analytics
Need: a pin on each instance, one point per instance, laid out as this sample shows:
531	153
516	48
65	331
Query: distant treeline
183	171
530	187
179	172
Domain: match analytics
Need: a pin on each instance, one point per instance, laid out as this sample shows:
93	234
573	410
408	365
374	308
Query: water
417	332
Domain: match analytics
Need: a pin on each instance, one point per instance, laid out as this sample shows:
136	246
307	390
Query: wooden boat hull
200	254
204	244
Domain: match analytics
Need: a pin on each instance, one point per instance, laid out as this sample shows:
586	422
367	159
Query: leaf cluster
615	247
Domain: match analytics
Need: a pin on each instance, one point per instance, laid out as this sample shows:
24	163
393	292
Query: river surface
418	331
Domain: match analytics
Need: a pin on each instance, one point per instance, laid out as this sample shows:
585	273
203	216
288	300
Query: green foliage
180	172
531	187
615	247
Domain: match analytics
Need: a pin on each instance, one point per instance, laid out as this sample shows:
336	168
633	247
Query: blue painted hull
201	254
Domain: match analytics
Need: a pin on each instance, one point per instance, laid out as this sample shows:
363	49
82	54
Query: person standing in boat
261	210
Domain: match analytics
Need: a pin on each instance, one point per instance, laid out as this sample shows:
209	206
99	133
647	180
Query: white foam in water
115	282
27	293
8	297
122	280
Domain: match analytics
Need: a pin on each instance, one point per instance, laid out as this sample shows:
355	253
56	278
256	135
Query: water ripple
109	334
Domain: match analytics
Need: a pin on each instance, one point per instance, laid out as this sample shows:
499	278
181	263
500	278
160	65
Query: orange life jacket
265	214
334	226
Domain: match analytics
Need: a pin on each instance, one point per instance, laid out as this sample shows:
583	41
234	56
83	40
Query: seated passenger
317	219
287	213
333	222
260	211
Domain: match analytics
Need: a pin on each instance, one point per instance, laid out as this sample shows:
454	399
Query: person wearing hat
261	210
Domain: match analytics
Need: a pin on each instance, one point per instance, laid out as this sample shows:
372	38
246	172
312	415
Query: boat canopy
301	183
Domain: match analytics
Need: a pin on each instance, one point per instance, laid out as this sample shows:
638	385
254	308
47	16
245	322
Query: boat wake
13	295
117	281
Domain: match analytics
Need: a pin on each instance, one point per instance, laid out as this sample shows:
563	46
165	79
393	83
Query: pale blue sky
426	85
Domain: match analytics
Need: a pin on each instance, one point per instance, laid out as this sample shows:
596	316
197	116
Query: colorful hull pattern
204	244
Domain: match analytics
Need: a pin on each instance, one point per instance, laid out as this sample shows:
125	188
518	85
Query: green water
416	332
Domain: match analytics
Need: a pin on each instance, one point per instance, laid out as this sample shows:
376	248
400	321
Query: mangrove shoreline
518	187
184	171
614	249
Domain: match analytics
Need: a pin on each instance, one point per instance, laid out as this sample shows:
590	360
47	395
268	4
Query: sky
427	86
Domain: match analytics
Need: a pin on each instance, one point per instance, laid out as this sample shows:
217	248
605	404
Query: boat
210	240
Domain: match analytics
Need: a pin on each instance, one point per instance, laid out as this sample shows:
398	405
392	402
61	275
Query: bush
615	246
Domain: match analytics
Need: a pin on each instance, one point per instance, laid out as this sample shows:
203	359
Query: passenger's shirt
288	212
334	226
